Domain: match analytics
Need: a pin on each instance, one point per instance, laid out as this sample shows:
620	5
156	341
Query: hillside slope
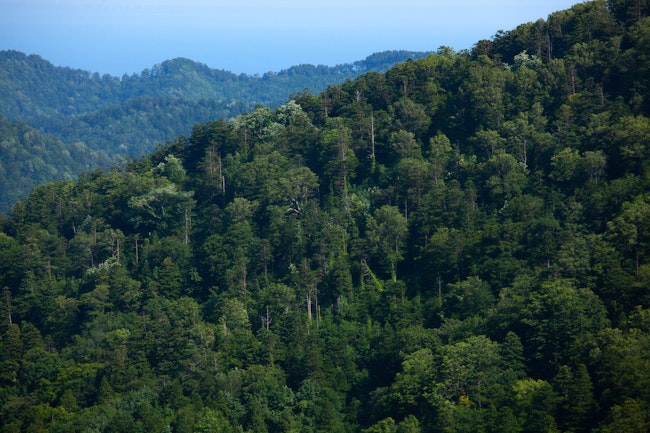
460	244
29	158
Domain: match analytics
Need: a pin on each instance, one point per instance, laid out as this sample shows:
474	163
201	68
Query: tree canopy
459	244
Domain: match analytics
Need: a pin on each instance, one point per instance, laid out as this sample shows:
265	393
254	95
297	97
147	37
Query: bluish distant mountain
112	113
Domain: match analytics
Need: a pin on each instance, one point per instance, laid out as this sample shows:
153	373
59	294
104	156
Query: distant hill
111	117
53	98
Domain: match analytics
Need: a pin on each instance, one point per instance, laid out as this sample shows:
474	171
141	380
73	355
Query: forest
458	244
104	119
29	158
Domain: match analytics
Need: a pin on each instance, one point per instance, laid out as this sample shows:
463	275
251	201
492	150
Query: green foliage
29	158
457	245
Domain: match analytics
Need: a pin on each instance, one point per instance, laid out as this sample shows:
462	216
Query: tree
630	417
630	229
298	185
576	401
565	164
164	207
12	351
172	169
386	425
489	141
468	371
618	363
413	177
441	155
404	144
485	88
410	116
512	353
535	404
505	176
560	321
467	298
629	11
212	421
387	231
631	134
412	388
337	157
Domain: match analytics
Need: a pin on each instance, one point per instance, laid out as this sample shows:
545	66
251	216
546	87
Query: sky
119	37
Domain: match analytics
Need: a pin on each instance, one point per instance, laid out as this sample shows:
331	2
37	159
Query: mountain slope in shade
29	158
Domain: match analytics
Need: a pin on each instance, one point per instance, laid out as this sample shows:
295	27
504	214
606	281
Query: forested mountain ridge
33	88
460	244
56	99
129	116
